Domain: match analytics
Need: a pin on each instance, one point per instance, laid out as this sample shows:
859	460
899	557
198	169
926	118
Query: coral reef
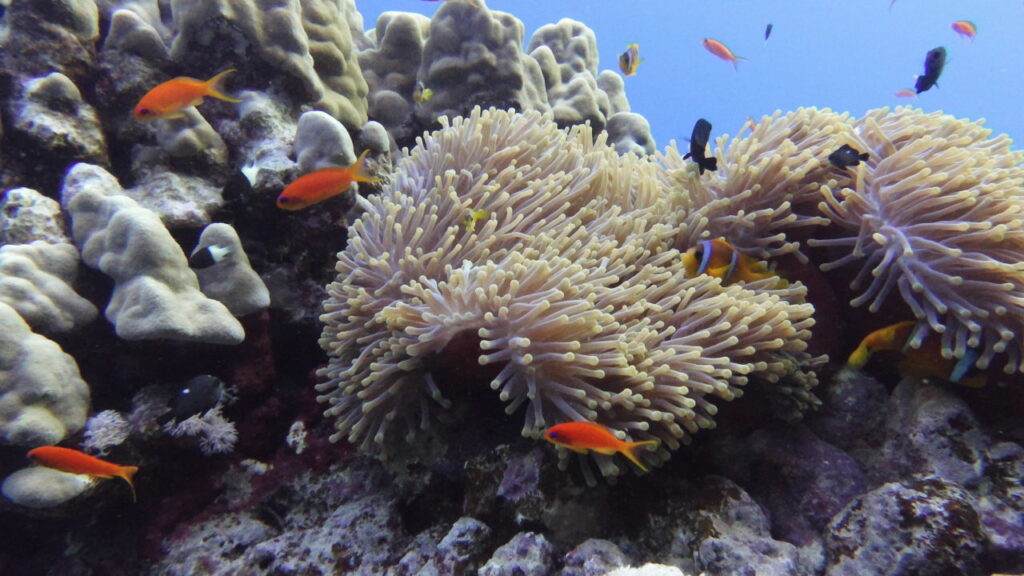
155	294
36	281
43	398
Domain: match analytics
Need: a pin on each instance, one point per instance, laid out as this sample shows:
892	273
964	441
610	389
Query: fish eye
553	434
145	111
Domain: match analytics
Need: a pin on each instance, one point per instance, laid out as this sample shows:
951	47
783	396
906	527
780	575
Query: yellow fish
472	217
718	258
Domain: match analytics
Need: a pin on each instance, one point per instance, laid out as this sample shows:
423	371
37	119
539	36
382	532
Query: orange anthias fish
629	60
581	437
905	93
318	186
718	258
75	462
167	100
925	361
720	50
965	28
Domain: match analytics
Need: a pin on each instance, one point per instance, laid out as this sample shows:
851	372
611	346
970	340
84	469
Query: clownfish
965	28
421	93
718	258
167	100
720	50
581	437
923	362
472	217
629	60
75	462
318	186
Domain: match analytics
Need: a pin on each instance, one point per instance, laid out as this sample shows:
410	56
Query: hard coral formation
42	395
36	279
571	286
936	216
155	294
308	40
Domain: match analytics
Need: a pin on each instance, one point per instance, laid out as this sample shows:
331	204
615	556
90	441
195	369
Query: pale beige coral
936	214
571	284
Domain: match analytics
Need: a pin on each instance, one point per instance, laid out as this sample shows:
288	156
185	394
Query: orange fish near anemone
167	100
581	437
720	259
75	462
318	186
965	28
720	50
923	362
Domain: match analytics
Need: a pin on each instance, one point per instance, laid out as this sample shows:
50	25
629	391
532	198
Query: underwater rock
230	279
43	398
926	527
726	532
61	41
26	216
929	430
51	116
594	557
612	84
1000	501
526	554
322	142
263	134
42	488
852	411
215	547
460	551
802	480
36	279
629	132
155	294
647	570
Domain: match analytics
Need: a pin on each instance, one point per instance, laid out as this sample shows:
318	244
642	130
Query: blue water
848	56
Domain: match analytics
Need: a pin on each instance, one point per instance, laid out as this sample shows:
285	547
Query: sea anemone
936	213
570	288
763	180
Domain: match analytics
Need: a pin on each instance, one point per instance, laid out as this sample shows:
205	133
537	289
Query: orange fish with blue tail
75	462
720	259
168	100
722	51
318	186
582	437
923	362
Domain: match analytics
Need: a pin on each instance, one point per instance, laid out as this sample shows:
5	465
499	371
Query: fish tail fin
736	60
215	86
859	357
863	156
126	473
631	449
359	173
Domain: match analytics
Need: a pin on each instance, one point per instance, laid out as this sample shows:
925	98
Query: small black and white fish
196	396
698	144
208	256
933	65
847	157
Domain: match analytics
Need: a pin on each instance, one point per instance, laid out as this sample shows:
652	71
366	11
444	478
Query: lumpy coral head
934	216
571	285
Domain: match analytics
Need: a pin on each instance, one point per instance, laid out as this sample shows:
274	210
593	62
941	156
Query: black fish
698	143
208	256
767	32
195	397
847	157
933	64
